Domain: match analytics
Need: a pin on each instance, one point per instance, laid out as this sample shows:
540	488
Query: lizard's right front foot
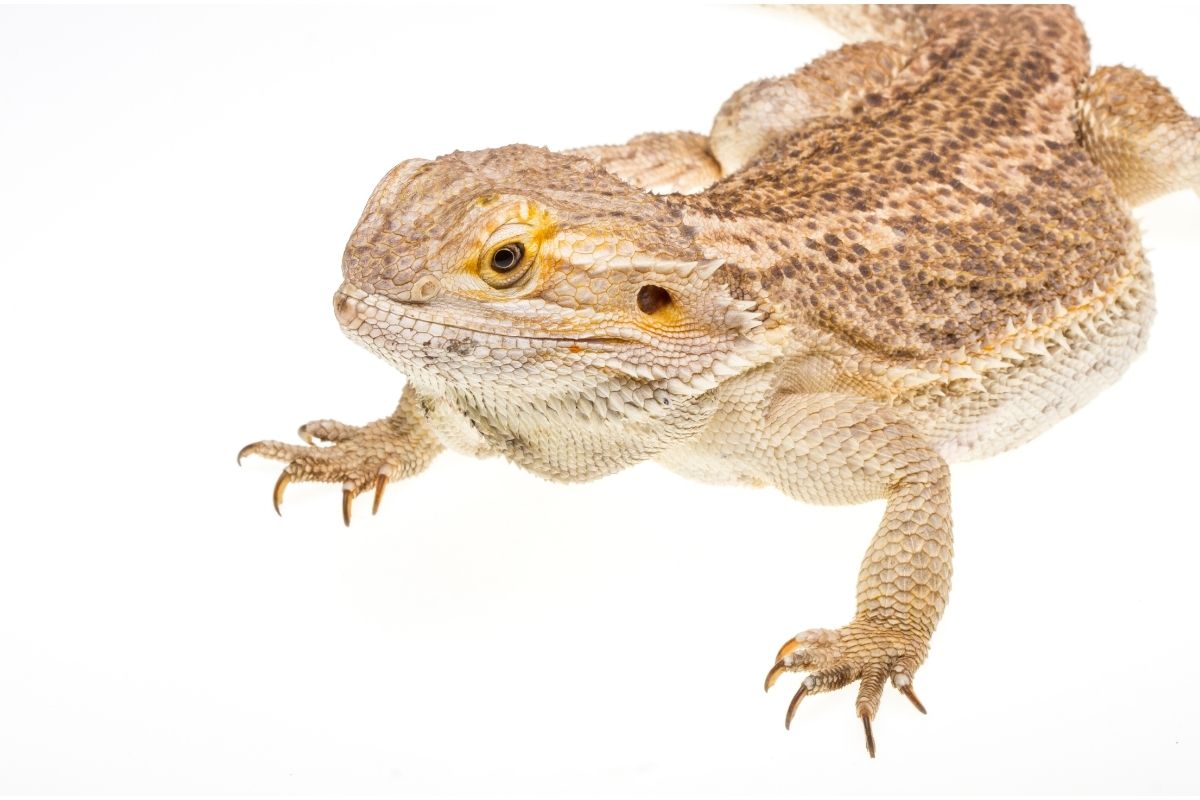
358	457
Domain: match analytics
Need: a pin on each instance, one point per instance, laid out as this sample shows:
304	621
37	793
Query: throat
570	437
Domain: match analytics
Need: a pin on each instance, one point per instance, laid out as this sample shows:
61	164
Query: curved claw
908	692
772	676
347	499
792	706
245	451
381	482
277	496
789	647
304	435
866	718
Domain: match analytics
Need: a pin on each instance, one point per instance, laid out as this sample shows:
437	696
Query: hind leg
838	84
662	163
1136	131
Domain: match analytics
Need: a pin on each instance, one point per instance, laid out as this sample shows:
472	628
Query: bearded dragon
915	250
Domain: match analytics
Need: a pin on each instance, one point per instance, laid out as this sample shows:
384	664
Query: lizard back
948	207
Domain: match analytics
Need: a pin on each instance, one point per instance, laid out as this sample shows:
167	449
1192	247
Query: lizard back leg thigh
1136	131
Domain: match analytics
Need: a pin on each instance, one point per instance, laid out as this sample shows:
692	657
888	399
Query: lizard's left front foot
866	651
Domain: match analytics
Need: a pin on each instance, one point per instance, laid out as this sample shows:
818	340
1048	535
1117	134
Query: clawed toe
358	468
348	495
277	496
279	451
866	718
359	457
904	684
351	490
800	694
836	658
381	482
772	676
325	430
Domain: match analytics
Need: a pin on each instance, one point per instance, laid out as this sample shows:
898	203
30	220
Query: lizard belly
1014	405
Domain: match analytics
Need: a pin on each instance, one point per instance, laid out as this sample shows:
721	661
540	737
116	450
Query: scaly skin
913	251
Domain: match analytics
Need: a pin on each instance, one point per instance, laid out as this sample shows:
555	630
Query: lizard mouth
360	313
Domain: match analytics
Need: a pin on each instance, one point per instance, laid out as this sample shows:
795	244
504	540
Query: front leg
358	457
830	448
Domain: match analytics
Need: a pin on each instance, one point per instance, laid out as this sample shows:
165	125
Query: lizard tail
1136	131
899	25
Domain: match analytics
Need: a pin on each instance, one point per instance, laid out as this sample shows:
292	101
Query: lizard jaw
355	308
458	347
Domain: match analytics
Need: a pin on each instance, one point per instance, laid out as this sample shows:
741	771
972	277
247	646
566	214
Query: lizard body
914	251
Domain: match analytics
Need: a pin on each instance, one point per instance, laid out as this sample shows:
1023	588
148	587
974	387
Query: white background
177	187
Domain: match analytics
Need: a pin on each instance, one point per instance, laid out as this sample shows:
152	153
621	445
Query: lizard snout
347	309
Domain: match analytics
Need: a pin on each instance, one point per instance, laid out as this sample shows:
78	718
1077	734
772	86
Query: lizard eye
508	257
505	265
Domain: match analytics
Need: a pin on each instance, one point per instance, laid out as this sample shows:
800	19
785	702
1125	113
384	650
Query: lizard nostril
425	289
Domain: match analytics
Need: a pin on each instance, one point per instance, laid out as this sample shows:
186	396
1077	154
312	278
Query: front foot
357	456
866	651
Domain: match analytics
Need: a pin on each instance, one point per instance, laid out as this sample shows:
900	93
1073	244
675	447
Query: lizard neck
577	433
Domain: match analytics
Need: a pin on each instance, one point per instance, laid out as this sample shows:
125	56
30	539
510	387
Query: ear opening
652	298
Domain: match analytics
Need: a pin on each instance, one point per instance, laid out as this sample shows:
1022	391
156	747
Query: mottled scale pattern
915	250
954	201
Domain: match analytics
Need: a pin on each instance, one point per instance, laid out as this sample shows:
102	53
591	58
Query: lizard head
521	271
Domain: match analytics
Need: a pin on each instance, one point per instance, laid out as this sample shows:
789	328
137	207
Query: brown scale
913	156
